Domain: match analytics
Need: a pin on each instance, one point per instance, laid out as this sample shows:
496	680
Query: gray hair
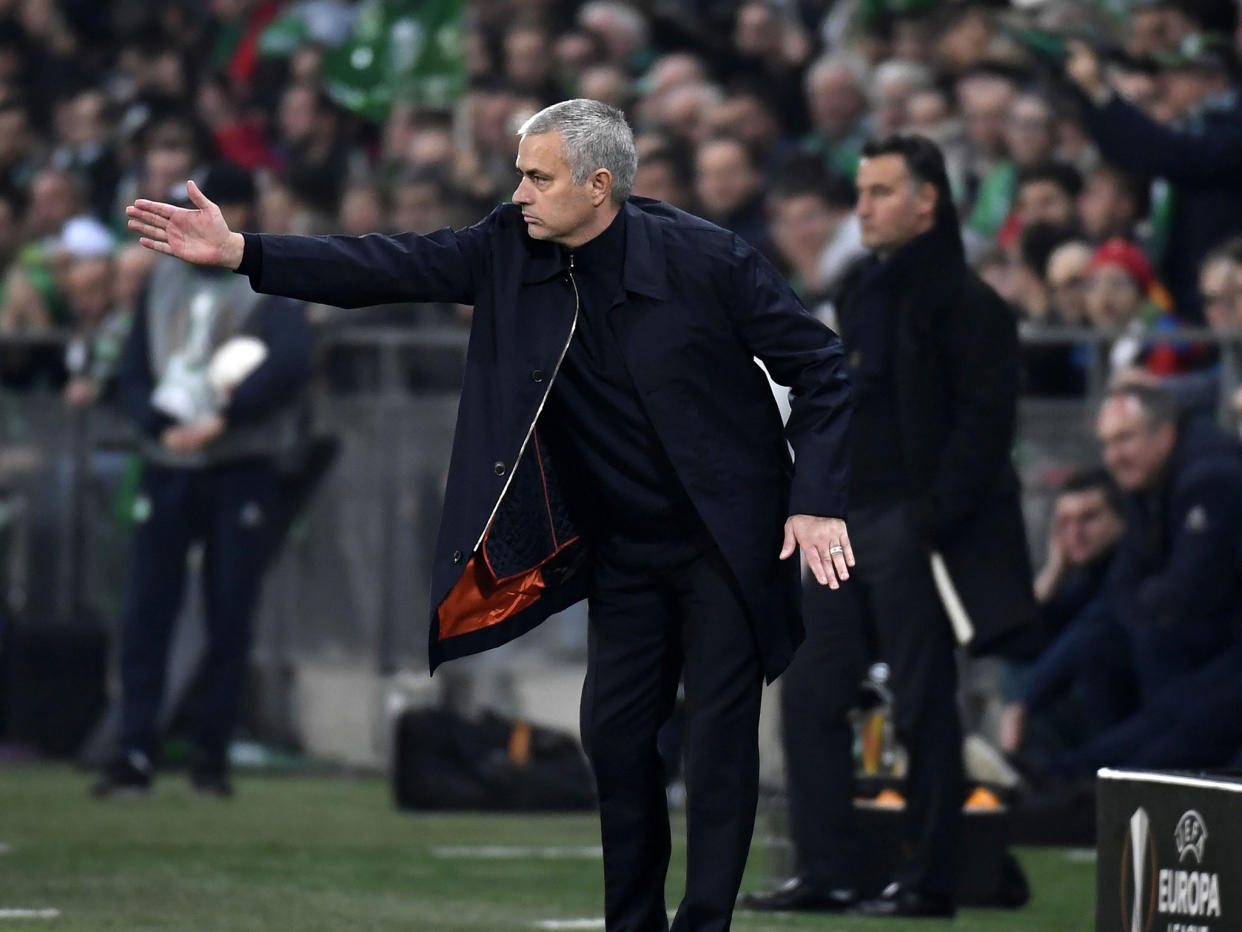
595	136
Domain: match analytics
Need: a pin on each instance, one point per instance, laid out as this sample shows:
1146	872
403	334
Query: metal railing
352	578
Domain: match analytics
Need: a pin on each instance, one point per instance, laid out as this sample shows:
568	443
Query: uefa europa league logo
1138	875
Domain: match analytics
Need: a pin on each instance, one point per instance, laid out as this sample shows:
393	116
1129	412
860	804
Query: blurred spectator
1113	203
94	350
528	61
622	32
837	105
310	143
1199	157
84	134
1063	703
1029	142
728	184
1220	290
807	209
665	175
209	444
1124	298
606	83
771	47
1174	593
364	209
19	143
238	136
1068	271
893	84
1048	193
984	97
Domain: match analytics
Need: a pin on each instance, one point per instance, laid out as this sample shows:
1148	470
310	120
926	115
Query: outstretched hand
825	544
200	236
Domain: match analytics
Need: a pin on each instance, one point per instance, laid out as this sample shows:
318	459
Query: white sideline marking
504	852
29	913
570	924
1081	855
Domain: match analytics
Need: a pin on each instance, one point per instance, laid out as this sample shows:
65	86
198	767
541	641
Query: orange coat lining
479	600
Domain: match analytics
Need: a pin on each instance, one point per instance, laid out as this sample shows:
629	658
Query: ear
600	185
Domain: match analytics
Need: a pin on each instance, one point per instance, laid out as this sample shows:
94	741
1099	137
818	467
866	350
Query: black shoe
896	900
129	775
799	894
211	782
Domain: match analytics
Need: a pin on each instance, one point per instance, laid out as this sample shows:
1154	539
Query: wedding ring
837	549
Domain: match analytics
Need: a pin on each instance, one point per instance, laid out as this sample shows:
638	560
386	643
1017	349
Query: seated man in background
1060	699
1174	593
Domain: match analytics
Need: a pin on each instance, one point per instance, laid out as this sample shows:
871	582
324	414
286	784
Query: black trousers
890	609
649	628
225	507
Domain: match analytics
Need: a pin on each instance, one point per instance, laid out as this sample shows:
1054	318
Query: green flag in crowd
400	50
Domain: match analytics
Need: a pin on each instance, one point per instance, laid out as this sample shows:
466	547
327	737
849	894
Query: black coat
956	366
1178	563
701	304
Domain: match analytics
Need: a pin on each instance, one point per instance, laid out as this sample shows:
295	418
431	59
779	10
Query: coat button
537	375
457	557
499	469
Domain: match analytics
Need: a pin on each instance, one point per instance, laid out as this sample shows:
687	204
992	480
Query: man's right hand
1083	67
200	236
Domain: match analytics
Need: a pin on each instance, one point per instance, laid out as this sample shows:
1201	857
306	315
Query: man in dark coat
614	439
933	355
1174	592
1201	158
210	452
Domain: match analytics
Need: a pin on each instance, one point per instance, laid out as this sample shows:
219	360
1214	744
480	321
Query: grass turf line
330	853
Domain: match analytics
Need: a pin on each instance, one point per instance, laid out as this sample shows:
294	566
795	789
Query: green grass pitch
332	853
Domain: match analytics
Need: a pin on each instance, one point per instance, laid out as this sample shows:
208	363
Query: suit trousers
225	507
890	609
651	626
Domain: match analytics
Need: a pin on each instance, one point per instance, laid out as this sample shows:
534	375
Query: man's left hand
826	545
190	438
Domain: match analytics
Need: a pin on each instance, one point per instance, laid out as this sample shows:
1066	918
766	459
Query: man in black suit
933	356
614	440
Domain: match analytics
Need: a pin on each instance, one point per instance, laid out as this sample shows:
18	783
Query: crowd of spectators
1099	201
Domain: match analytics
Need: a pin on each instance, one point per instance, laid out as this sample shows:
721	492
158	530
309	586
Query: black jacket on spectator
957	371
1204	165
1178	564
699	305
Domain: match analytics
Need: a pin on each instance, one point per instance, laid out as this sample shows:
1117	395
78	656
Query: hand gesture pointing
200	236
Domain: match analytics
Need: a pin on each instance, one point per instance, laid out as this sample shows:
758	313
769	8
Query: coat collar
644	256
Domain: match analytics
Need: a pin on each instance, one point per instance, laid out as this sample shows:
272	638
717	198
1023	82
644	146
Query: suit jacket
700	305
957	369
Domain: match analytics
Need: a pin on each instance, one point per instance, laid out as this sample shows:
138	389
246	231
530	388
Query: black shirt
622	486
878	473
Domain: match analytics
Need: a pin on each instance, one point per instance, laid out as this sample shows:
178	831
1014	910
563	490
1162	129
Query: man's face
801	227
1028	131
1113	297
1085	526
658	179
1045	202
1135	451
834	101
725	180
1068	274
553	207
1218	284
891	208
1102	206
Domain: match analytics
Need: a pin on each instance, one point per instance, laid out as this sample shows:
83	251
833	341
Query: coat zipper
530	430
